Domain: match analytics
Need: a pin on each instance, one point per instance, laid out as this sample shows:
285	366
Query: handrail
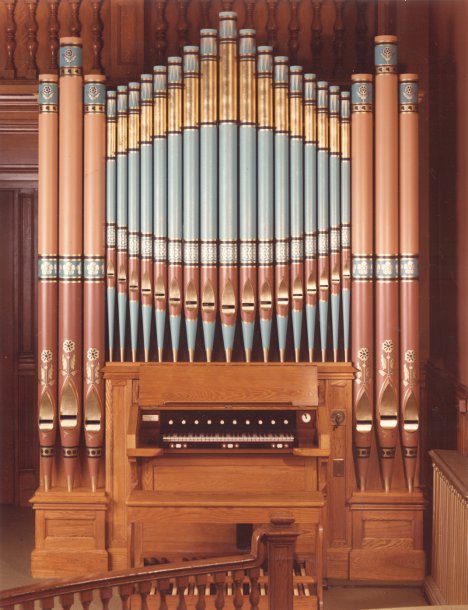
281	529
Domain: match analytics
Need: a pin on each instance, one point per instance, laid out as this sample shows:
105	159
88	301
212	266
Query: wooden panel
294	384
60	531
127	34
7	347
387	565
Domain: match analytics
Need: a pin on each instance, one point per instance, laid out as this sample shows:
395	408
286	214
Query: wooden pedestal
70	533
387	537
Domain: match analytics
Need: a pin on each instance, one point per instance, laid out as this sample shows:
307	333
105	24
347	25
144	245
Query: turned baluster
31	70
250	12
338	43
97	28
27	605
53	38
105	594
125	591
10	36
164	587
86	598
227	5
361	35
219	579
47	603
201	581
316	33
271	24
238	578
182	25
182	584
144	589
205	7
161	30
66	600
75	23
254	596
293	31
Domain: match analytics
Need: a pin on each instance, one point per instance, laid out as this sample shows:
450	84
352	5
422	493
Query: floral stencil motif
47	370
46	356
409	372
410	355
387	361
47	92
93	92
408	92
387	54
363	92
363	354
69	55
363	369
92	354
68	358
92	366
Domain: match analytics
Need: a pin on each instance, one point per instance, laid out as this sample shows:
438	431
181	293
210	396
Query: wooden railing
448	583
123	38
272	544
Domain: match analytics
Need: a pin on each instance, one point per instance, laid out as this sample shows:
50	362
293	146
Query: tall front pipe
160	202
70	385
345	116
228	183
208	185
111	218
146	209
335	205
362	305
297	204
191	141
47	248
281	173
323	211
174	199
265	222
93	268
386	249
409	273
247	187
310	206
122	213
134	213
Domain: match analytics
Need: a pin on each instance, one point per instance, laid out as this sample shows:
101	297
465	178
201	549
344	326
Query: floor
17	541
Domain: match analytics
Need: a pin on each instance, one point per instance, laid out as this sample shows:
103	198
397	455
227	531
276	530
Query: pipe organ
261	309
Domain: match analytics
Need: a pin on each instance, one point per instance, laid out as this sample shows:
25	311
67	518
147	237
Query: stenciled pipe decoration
70	338
323	211
208	185
335	209
160	174
386	252
409	274
146	209
122	214
174	199
111	218
94	193
362	283
282	201
47	295
191	201
310	207
247	188
345	119
228	195
265	219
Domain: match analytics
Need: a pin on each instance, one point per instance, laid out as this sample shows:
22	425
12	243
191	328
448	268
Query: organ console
233	183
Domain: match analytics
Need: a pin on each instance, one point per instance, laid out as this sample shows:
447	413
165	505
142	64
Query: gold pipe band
265	102
122	134
345	139
146	122
322	129
133	130
160	117
334	134
281	108
175	110
228	81
191	101
310	123
111	139
297	128
209	85
247	105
